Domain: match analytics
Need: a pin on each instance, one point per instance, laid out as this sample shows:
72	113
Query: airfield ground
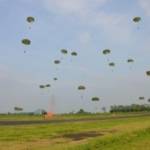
76	132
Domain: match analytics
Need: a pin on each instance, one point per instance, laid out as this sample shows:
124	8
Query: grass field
131	133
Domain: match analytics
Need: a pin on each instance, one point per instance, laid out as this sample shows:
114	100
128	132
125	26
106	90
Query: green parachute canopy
81	87
55	79
30	19
141	98
148	73
56	61
95	99
42	86
26	41
47	85
111	64
18	108
136	19
64	51
74	53
130	60
106	51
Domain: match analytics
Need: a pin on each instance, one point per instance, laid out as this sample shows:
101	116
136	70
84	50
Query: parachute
81	87
55	79
18	108
106	51
141	98
56	61
130	60
74	54
64	51
136	19
111	64
30	19
26	41
41	86
148	73
47	85
95	99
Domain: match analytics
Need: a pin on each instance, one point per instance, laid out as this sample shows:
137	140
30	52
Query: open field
15	117
65	118
123	133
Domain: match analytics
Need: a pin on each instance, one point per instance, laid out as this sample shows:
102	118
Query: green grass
40	117
20	117
64	116
138	140
118	134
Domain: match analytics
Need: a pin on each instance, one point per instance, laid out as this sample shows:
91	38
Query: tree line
130	108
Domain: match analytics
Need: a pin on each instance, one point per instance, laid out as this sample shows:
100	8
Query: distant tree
81	111
130	108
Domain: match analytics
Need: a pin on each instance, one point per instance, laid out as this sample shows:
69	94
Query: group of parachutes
26	41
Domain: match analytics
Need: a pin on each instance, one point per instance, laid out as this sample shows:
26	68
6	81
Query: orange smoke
49	115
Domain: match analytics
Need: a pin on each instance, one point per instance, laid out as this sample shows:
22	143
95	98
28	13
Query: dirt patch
82	135
112	131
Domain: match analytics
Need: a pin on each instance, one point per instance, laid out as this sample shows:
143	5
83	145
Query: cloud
145	5
4	72
76	7
85	38
8	74
92	13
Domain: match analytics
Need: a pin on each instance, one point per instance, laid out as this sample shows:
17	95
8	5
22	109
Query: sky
87	27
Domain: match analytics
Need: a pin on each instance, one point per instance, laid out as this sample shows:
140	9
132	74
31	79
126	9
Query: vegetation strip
69	120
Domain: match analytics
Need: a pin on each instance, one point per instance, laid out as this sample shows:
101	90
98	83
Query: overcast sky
84	26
